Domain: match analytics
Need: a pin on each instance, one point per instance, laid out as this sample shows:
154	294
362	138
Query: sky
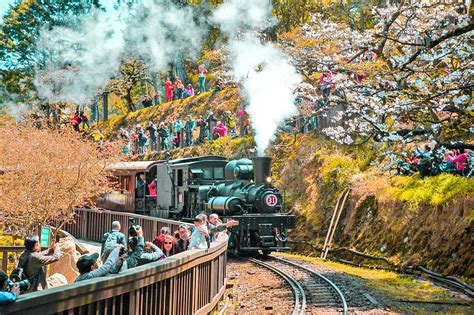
4	5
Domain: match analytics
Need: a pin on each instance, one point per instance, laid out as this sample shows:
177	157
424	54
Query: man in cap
88	267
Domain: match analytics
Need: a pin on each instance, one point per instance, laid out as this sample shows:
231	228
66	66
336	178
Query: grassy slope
417	221
202	104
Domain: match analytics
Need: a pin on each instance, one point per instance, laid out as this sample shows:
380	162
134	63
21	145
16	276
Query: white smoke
82	59
79	61
267	76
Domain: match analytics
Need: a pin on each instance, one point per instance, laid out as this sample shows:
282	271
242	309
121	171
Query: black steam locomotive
182	188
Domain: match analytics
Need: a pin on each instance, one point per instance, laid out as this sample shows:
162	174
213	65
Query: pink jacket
221	130
460	160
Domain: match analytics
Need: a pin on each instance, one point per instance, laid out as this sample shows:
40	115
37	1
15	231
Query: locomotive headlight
268	180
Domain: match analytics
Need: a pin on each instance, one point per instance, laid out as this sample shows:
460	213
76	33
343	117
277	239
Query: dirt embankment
411	221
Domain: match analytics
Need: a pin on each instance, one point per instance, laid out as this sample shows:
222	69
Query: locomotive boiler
240	189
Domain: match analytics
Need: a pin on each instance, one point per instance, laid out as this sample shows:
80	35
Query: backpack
111	242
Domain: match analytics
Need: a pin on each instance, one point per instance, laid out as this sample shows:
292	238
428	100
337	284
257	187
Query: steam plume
267	77
81	60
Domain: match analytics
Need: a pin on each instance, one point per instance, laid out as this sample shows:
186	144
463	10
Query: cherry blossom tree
407	78
44	174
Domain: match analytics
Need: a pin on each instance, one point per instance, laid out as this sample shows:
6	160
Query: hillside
411	221
202	104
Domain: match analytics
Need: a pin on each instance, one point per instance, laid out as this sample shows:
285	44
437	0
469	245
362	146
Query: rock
56	280
66	265
251	272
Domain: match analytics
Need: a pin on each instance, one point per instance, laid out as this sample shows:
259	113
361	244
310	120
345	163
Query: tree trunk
128	98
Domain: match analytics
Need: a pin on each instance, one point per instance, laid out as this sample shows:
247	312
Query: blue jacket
7	297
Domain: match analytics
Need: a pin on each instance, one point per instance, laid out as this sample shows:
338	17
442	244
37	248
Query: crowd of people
117	254
180	133
456	161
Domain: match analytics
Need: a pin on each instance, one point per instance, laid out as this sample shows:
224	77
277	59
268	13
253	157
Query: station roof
133	166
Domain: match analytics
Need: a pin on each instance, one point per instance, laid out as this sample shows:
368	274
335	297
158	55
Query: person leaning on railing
32	260
8	294
89	268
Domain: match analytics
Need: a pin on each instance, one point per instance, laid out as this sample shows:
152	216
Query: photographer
8	293
136	246
32	260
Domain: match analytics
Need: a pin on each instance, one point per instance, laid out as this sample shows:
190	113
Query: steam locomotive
182	188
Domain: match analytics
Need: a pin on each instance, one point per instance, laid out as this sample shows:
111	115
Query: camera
16	280
133	228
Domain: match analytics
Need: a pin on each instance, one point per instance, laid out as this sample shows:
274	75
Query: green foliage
22	24
432	191
337	169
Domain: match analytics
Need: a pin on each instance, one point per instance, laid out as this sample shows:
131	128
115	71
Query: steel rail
338	291
298	291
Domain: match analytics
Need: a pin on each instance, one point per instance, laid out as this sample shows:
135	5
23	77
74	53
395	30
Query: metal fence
191	282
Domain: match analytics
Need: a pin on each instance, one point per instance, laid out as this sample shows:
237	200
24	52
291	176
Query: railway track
313	292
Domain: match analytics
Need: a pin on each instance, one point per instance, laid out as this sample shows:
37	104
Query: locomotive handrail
191	282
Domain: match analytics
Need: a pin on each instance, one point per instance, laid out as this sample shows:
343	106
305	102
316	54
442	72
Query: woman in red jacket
169	86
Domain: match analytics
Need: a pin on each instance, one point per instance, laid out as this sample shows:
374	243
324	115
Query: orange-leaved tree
44	174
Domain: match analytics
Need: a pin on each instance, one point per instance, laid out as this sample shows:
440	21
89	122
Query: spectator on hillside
326	83
188	130
146	101
229	122
7	295
220	130
201	123
89	268
189	91
169	90
169	245
211	124
152	253
219	86
75	121
461	160
183	240
200	236
152	134
125	136
111	239
159	239
202	71
244	121
32	260
179	88
142	140
156	98
84	120
163	133
177	128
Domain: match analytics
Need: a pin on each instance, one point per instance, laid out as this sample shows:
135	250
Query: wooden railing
191	282
7	252
92	224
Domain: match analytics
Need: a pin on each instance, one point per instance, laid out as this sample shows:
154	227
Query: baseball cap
85	262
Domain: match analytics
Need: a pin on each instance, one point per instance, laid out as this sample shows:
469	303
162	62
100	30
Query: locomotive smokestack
262	168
